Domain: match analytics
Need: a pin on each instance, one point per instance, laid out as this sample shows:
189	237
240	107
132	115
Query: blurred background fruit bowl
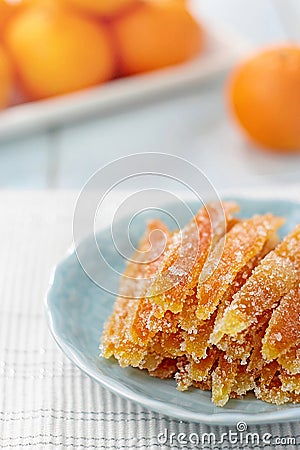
81	85
63	60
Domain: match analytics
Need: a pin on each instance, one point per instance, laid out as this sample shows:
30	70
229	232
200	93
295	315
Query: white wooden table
194	125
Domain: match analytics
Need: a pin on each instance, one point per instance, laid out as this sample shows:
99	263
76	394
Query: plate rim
225	418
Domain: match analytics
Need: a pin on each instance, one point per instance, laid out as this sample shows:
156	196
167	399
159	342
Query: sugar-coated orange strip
186	256
284	326
275	276
255	334
116	338
223	379
242	243
239	281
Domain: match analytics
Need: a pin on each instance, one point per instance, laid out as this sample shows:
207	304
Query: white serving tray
222	49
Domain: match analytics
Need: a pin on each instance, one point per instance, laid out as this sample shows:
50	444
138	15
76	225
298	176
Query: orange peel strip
275	276
223	379
284	326
242	243
186	256
116	339
227	342
201	370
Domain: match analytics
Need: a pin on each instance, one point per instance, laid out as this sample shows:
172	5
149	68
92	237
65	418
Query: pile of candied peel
215	305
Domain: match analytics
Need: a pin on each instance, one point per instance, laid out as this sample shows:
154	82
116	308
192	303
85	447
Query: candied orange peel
242	243
215	306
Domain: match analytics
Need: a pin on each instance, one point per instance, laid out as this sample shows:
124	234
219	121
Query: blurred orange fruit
264	94
155	35
56	51
104	8
5	79
6	10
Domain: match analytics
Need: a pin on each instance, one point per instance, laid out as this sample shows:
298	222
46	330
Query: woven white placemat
46	402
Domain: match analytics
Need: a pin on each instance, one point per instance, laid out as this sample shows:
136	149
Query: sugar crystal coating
283	330
242	243
186	256
274	277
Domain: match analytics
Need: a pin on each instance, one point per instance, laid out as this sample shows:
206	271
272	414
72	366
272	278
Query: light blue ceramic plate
77	310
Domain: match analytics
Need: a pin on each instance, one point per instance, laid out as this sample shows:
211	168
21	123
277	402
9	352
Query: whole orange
103	8
155	35
57	51
5	79
264	95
